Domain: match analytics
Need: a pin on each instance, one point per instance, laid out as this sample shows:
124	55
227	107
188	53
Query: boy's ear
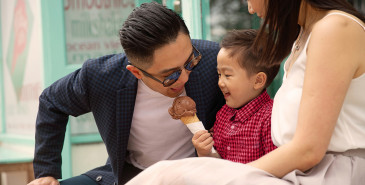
135	71
260	80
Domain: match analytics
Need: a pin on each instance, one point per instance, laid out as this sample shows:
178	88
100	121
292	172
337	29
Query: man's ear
260	80
135	71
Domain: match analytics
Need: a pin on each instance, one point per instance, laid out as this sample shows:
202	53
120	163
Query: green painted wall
2	98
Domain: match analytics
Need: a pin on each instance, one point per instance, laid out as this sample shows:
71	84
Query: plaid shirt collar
242	114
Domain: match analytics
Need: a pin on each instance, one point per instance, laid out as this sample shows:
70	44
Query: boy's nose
220	83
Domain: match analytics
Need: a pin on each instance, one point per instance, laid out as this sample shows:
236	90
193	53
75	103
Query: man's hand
45	181
203	142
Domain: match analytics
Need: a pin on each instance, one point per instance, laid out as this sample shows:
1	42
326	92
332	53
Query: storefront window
92	30
359	5
92	27
227	15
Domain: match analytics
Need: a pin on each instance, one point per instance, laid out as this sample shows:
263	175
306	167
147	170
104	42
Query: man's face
167	60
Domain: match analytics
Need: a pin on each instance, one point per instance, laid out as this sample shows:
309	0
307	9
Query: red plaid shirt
244	135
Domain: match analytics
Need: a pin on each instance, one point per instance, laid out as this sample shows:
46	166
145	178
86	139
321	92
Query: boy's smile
236	85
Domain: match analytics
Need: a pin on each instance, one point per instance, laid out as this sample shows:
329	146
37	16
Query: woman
318	119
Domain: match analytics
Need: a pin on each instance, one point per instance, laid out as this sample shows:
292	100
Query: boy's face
234	82
167	60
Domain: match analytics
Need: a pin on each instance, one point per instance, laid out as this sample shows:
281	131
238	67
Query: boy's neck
257	95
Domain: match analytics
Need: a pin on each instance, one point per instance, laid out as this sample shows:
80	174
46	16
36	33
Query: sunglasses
171	79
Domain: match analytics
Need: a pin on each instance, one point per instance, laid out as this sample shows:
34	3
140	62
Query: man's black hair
149	27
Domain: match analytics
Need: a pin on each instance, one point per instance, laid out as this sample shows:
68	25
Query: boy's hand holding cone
184	108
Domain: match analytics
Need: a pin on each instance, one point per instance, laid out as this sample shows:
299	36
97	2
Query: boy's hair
239	45
148	28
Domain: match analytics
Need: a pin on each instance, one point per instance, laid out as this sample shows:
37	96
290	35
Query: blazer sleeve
67	96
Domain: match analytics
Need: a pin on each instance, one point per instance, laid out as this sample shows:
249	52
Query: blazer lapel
194	90
126	98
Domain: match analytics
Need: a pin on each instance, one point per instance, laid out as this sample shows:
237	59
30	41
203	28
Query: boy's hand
211	131
203	142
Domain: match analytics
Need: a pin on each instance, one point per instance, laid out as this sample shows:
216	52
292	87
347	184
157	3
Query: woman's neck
308	16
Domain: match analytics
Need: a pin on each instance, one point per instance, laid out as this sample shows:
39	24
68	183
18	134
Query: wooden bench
16	167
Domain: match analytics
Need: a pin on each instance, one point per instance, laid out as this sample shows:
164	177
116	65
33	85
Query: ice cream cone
184	108
189	119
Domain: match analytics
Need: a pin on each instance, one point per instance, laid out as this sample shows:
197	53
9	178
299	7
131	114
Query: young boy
242	131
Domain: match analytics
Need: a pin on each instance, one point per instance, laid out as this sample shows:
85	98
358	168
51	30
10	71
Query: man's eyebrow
176	68
168	70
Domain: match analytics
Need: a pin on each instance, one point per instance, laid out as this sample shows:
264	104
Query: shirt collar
242	114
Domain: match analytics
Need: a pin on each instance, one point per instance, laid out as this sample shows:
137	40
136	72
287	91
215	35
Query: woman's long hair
281	23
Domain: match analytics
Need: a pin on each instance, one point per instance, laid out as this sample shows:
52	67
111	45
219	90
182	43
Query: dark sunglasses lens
189	66
172	78
194	62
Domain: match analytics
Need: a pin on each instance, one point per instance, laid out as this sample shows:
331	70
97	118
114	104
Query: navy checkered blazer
104	87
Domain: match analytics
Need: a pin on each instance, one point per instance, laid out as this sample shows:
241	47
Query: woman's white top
349	131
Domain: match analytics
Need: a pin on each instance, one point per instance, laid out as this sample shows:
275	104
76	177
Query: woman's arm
333	61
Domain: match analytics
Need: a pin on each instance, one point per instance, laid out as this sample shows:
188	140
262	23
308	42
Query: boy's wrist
205	155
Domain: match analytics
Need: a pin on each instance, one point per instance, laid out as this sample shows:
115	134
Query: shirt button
98	178
228	148
232	127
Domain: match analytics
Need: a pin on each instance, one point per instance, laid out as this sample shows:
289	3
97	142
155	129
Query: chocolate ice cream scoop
182	106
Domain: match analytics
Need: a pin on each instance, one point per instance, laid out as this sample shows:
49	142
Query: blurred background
43	40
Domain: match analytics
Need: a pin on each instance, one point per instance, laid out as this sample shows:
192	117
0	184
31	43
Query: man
129	95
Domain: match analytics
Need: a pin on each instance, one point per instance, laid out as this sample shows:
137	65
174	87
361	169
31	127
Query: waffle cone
189	119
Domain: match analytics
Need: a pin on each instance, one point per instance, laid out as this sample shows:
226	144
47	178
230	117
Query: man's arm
67	96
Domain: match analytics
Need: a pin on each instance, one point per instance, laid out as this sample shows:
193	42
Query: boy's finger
202	141
207	141
209	146
198	134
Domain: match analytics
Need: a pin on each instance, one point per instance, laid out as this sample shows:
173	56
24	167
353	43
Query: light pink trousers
334	169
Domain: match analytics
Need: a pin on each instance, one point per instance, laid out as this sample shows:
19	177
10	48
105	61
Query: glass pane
22	65
359	5
92	30
227	15
92	27
83	124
